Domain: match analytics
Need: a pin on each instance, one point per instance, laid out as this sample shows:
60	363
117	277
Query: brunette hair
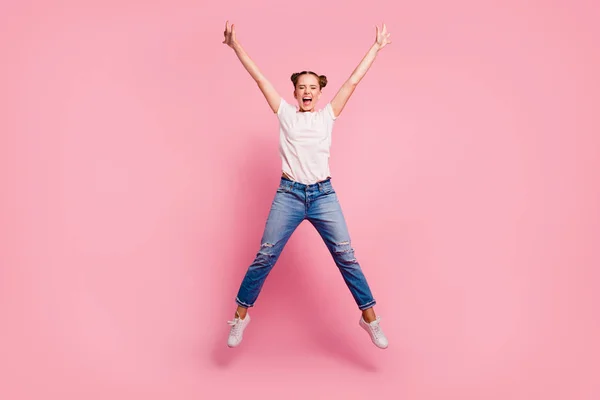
322	78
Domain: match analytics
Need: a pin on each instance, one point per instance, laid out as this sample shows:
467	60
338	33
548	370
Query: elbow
262	82
352	83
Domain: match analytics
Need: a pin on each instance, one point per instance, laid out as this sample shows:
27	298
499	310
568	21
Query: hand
382	37
229	33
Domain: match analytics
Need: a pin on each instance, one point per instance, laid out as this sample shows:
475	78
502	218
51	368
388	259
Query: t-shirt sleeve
330	112
286	111
285	107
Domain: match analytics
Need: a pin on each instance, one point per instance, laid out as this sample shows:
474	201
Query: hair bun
322	80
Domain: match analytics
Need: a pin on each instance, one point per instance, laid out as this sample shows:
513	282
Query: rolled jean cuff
241	303
367	305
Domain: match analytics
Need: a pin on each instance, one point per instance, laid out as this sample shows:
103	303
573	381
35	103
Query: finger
233	31
227	26
384	27
377	30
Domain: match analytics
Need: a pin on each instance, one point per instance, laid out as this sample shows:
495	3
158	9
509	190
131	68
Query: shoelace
375	328
235	324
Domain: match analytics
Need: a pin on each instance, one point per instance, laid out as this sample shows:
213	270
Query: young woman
305	191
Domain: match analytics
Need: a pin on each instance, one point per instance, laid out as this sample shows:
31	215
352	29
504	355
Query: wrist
236	47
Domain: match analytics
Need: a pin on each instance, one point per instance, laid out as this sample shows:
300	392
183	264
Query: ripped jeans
293	203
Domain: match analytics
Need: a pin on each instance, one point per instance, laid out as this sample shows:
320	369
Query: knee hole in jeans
344	252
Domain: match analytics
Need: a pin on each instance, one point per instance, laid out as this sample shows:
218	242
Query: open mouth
306	101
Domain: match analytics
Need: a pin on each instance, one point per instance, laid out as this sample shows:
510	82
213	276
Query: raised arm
382	38
273	98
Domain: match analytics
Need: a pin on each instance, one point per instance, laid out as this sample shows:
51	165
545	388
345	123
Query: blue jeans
293	203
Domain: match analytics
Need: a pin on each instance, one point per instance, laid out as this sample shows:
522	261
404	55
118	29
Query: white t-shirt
304	142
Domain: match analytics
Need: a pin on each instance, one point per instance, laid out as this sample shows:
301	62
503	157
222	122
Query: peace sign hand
382	37
229	34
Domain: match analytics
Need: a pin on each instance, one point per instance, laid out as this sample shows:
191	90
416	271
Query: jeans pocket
327	189
284	188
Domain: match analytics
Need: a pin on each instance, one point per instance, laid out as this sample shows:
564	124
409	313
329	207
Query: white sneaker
375	331
237	330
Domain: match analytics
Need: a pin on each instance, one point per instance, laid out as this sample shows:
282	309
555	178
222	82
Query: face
307	92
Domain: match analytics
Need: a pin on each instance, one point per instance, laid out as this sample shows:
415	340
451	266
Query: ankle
369	315
241	313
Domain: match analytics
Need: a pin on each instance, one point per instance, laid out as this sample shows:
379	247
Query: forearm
248	64
264	85
363	67
341	98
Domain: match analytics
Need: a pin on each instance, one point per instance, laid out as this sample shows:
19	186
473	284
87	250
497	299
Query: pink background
138	161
